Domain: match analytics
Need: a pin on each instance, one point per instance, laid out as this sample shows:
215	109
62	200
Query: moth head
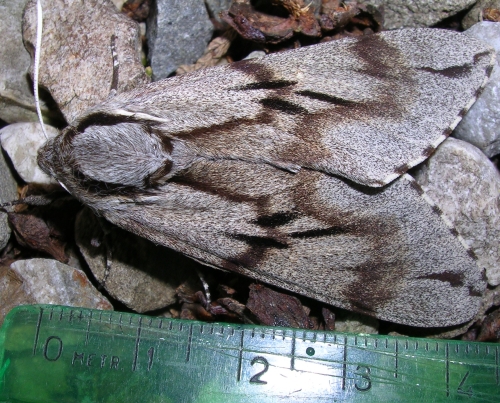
102	158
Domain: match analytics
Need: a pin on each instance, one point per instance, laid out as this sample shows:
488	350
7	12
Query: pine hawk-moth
291	169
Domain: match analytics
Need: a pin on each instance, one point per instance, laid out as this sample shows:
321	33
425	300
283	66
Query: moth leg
106	230
205	287
116	64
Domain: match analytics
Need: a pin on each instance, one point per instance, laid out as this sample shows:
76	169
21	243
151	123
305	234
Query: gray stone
47	281
8	193
76	64
16	100
481	125
178	32
348	322
418	13
255	54
137	272
119	3
475	14
22	142
465	184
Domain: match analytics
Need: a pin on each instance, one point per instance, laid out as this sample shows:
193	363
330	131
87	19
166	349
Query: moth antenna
37	200
116	64
36	66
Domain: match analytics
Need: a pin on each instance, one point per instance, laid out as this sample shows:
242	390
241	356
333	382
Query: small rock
22	142
118	4
481	125
76	64
178	33
46	281
16	99
418	13
465	184
348	322
8	193
255	54
476	13
142	275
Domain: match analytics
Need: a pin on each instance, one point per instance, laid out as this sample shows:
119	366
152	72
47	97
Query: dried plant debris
337	14
290	16
329	318
490	329
137	9
213	55
278	21
45	229
195	305
274	308
34	232
491	14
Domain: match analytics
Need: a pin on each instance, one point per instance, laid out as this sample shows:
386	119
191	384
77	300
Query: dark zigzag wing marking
266	85
276	220
326	98
450	72
320	232
284	106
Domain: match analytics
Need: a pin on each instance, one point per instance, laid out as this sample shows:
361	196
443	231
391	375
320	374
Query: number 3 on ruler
365	382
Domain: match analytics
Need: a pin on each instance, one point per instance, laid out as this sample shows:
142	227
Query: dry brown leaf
273	308
213	55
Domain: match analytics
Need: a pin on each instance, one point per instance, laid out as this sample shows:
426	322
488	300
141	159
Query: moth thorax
125	154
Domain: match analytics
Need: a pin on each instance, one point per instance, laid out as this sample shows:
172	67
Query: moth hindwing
288	169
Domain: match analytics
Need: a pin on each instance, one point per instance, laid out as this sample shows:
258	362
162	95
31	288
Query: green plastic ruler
56	354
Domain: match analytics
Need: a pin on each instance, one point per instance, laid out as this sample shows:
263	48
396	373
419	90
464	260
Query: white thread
38	50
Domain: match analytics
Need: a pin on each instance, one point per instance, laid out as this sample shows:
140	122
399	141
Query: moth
291	169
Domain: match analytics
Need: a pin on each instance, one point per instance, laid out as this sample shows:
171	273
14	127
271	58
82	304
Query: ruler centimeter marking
190	338
396	359
137	342
87	333
497	364
240	356
37	330
344	363
447	369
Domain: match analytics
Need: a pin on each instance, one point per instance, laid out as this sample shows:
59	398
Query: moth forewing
384	252
233	166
